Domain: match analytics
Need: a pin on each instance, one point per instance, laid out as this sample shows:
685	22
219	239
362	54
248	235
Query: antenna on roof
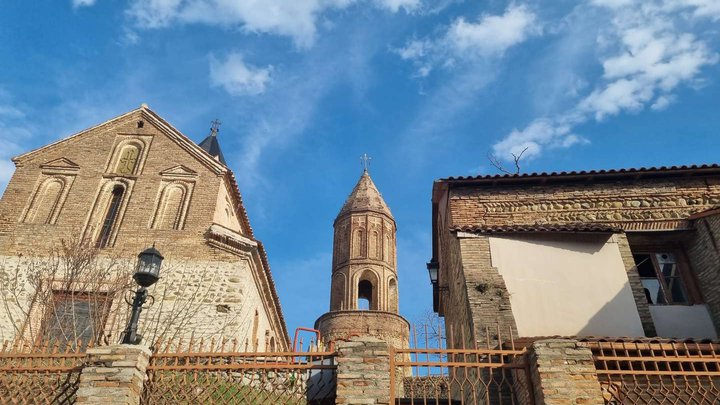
215	128
365	162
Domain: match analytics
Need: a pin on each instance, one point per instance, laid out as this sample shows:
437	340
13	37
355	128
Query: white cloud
465	41
82	3
492	34
237	77
292	18
646	57
396	5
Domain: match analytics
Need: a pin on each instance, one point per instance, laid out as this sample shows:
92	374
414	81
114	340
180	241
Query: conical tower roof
211	145
365	197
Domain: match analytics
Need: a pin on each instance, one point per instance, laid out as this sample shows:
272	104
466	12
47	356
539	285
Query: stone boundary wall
563	373
363	374
113	375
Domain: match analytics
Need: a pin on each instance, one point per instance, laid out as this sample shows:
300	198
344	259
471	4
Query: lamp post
146	274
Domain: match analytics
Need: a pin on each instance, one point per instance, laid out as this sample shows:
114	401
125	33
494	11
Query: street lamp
432	268
146	274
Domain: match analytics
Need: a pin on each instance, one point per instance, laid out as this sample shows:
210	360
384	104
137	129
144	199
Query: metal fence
661	372
44	373
495	372
217	372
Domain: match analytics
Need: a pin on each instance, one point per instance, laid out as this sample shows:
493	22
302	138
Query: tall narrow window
127	161
110	217
392	296
357	244
45	204
373	247
256	323
172	208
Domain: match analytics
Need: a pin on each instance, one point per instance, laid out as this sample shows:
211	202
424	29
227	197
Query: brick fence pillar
113	375
563	372
363	371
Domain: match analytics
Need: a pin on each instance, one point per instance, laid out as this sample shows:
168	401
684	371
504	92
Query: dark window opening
365	293
73	317
661	277
110	217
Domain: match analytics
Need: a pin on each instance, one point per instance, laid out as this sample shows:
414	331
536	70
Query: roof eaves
583	174
568	228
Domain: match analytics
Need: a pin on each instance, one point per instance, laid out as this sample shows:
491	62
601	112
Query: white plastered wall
683	321
568	285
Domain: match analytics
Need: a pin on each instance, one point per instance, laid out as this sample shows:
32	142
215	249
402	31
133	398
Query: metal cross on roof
215	128
365	161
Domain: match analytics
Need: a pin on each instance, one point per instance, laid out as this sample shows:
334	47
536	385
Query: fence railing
662	372
42	373
492	372
216	372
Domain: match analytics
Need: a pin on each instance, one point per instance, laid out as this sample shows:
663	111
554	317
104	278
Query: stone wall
113	375
633	205
200	299
363	375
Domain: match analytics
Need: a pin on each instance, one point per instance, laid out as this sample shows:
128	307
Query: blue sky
427	88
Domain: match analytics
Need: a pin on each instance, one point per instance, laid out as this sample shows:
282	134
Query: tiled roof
585	173
365	197
580	227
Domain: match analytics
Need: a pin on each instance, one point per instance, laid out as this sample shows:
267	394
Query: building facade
114	190
364	281
628	253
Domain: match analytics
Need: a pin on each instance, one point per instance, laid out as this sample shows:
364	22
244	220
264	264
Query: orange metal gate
220	375
494	373
659	372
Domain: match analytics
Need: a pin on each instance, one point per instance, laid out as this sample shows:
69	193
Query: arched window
256	322
171	208
110	216
357	243
386	249
373	247
365	295
45	204
392	296
272	343
127	161
337	293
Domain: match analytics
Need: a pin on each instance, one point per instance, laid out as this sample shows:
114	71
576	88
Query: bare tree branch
498	164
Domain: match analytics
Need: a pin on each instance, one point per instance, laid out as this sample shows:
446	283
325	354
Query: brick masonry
563	373
657	207
211	256
113	375
703	250
363	375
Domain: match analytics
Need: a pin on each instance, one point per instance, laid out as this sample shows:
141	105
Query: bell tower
364	281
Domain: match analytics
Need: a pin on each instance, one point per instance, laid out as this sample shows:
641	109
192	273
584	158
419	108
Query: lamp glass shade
433	272
147	271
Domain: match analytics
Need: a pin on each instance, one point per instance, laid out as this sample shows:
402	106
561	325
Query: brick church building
114	190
